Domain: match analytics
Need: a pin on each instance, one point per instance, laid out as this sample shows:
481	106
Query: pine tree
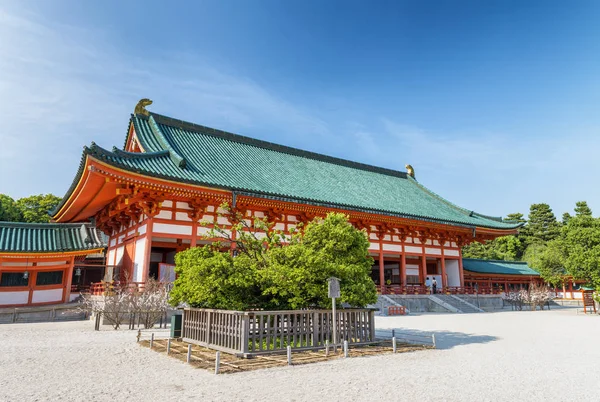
542	225
582	209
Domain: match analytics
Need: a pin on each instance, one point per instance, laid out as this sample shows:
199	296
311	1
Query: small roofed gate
248	333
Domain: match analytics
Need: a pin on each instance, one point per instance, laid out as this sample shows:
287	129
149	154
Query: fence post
151	340
169	346
394	344
208	328
372	325
315	332
289	355
433	339
345	348
326	347
97	323
217	362
189	353
245	333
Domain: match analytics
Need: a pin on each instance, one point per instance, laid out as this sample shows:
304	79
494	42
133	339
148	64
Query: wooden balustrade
425	290
248	333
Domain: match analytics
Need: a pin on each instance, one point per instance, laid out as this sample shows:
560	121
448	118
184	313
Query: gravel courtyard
506	356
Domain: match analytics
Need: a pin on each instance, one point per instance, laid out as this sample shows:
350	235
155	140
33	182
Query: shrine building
150	197
45	263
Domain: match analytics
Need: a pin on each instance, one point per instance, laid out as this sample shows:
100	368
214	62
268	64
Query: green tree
565	218
516	217
582	209
548	260
297	275
267	273
581	239
542	225
9	211
35	208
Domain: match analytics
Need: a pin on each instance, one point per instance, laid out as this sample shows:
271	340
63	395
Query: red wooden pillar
444	277
69	272
148	250
403	269
460	272
571	288
423	267
381	268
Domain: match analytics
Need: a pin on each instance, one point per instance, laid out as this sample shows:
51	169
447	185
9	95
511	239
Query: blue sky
496	104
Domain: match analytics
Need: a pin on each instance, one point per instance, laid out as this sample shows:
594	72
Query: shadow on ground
443	339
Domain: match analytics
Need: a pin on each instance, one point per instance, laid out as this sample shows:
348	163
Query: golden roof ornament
140	108
410	171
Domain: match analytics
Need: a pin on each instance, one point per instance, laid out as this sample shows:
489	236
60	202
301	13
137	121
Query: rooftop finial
140	108
410	171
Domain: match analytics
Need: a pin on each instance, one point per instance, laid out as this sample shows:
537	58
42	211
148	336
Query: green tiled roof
49	237
498	267
195	154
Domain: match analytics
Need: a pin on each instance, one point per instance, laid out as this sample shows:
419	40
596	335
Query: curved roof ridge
139	155
162	140
502	261
200	129
44	224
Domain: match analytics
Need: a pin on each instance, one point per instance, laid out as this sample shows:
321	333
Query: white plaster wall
202	230
14	297
413	249
182	216
172	229
279	226
119	254
139	260
17	264
183	205
392	247
433	251
374	246
109	257
453	253
165	214
112	242
46	296
142	230
51	263
453	272
412	271
167	204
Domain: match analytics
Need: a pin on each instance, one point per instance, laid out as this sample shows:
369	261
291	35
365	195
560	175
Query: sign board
334	287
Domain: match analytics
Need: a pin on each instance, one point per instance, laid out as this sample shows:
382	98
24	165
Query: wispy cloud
64	86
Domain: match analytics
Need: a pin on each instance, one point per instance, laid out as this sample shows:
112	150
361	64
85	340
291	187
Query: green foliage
9	211
507	248
516	217
542	225
298	273
267	273
36	207
548	260
582	209
213	279
581	239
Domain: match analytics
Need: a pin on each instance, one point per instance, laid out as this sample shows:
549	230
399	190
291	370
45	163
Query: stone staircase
457	303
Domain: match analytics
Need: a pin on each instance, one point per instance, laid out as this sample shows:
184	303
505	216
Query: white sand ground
507	356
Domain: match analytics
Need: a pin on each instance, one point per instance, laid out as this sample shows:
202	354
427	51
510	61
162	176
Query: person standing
434	286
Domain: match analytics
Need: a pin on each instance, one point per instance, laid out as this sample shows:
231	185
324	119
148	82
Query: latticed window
12	279
49	278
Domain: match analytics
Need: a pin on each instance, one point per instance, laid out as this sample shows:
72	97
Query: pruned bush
272	270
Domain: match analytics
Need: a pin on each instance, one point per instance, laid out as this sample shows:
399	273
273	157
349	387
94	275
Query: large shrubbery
275	271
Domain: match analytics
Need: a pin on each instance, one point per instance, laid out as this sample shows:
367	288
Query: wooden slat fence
248	333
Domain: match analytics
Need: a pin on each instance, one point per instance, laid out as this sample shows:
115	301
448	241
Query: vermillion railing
250	333
425	290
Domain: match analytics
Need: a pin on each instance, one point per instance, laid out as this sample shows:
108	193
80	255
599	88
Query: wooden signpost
334	292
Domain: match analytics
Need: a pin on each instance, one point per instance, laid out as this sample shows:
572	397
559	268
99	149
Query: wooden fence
248	333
